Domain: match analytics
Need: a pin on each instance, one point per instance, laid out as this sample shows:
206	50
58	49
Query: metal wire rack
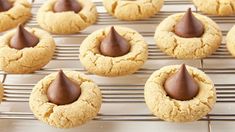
127	93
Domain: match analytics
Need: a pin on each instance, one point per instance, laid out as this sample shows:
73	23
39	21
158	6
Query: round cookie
133	10
28	59
188	48
19	13
99	64
1	91
66	22
169	109
230	40
70	115
216	7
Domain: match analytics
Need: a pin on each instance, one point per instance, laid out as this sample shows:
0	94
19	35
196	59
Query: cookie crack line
217	6
15	18
111	66
139	9
25	5
114	6
14	59
175	46
89	103
232	7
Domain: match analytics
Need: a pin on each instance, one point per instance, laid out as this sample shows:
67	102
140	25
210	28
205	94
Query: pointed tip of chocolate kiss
61	72
62	90
112	29
114	45
189	11
67	5
5	5
22	39
181	85
189	26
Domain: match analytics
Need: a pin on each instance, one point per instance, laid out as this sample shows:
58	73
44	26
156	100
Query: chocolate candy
5	5
181	85
23	39
67	5
189	26
114	45
62	90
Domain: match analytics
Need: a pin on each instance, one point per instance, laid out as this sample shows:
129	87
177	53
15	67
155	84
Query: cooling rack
119	91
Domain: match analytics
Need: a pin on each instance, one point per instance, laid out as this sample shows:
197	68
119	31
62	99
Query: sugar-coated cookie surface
19	13
216	7
99	64
66	22
75	114
170	109
133	10
26	60
188	48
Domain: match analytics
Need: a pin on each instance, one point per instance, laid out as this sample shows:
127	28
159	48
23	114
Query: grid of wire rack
124	93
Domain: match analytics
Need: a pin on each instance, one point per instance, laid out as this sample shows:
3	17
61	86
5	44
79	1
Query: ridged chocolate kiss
181	86
62	90
114	45
189	26
23	39
5	5
67	5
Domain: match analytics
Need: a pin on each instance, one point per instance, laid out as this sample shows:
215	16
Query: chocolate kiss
23	38
189	26
5	5
63	90
181	85
67	5
114	45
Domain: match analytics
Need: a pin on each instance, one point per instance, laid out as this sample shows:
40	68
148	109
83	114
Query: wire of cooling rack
124	93
70	52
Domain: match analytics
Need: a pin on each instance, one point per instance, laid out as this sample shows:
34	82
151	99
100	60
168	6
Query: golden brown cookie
216	7
169	109
230	39
66	22
133	10
19	13
70	115
188	48
96	63
28	59
1	91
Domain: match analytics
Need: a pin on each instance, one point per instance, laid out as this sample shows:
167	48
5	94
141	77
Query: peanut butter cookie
216	7
133	9
1	91
179	94
230	39
52	100
14	12
25	50
66	20
188	36
113	51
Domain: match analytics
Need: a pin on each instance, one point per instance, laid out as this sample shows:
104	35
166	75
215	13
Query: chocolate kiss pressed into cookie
114	45
181	85
5	5
189	26
62	90
23	39
67	5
